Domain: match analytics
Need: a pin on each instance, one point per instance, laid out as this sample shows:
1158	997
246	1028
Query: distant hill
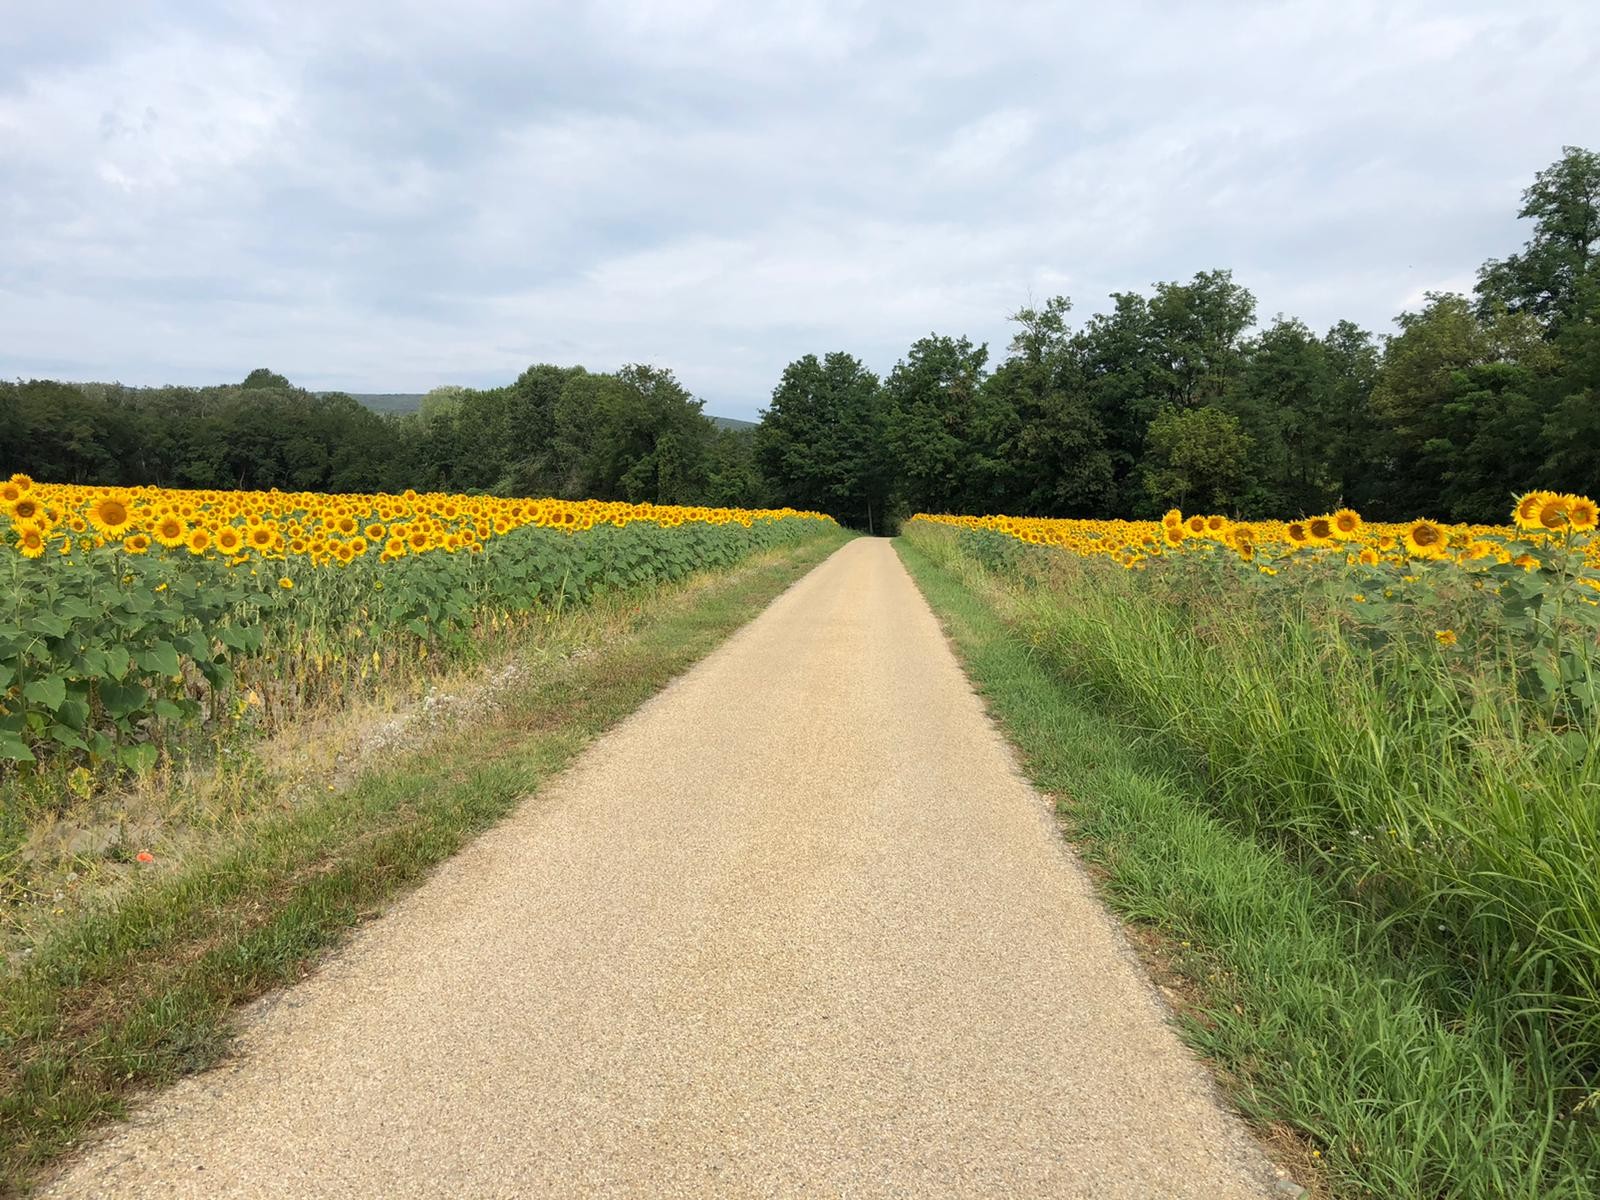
410	402
389	402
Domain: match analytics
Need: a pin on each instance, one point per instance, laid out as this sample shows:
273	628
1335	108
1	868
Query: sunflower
1170	518
262	536
1525	513
109	515
1216	525
1320	530
229	540
395	547
1424	539
26	508
1296	533
1582	513
1195	525
30	540
286	583
374	532
139	543
10	493
199	540
1553	513
1445	637
170	530
1368	557
1346	523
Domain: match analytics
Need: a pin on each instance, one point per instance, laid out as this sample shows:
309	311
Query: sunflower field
131	613
1536	580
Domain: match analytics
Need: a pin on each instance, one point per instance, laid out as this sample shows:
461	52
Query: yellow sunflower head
1346	523
1526	511
30	540
109	515
1582	514
170	530
1424	539
1553	516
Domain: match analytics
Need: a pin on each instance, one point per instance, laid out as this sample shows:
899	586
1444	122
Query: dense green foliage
1170	397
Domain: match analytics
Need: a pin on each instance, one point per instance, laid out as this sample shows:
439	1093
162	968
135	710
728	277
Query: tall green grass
1459	840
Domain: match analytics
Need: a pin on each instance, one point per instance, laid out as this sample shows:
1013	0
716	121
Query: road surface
796	928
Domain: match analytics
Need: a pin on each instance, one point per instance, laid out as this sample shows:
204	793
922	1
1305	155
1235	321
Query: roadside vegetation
1355	799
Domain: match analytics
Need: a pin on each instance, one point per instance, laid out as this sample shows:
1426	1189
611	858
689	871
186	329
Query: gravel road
796	928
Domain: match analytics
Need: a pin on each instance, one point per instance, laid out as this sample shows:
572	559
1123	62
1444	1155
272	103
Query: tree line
635	434
1171	397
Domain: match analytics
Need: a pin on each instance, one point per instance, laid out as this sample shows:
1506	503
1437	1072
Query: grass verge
141	992
1316	1026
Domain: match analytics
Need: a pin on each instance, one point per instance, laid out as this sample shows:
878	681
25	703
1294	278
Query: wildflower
1445	637
145	856
286	583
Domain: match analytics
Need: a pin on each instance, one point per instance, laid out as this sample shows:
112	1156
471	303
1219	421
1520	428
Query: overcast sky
388	196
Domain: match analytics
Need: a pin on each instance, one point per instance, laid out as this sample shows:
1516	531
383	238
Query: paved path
796	928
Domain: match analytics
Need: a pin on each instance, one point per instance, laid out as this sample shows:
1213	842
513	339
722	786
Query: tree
263	378
1195	333
1352	360
942	432
1547	277
636	435
1198	457
1456	397
1054	448
819	444
1572	400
